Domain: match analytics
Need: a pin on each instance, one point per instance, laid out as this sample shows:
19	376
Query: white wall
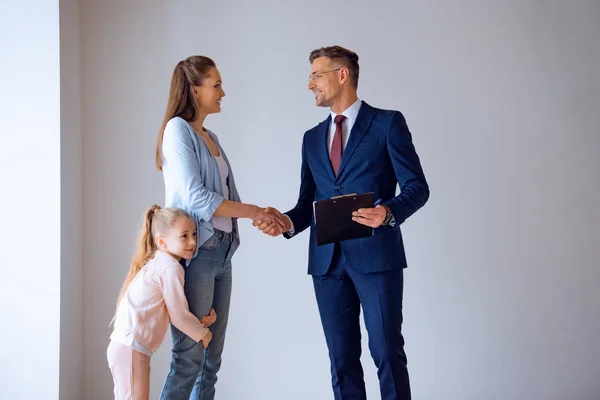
501	299
30	199
71	279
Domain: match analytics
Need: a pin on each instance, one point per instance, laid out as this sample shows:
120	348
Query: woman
198	179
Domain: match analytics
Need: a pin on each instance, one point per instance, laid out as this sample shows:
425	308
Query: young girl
151	297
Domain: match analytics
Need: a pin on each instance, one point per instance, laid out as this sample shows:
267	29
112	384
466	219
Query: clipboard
333	218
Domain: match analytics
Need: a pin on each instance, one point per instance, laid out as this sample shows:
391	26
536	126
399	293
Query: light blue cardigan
192	180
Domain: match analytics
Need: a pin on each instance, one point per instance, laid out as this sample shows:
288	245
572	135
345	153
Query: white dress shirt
350	113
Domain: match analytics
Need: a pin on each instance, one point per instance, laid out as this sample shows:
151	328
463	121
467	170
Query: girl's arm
171	284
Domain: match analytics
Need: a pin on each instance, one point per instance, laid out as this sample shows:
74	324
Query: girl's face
180	240
209	95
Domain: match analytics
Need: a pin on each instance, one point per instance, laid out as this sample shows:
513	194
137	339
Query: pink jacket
155	297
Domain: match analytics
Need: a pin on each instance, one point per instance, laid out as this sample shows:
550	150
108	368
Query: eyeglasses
317	75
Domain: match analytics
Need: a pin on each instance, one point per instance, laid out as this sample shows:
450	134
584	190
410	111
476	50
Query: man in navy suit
357	149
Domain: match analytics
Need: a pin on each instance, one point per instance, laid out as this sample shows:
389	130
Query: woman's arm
234	209
179	155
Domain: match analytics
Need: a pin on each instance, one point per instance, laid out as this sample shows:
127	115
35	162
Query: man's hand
206	339
273	228
271	221
372	217
209	319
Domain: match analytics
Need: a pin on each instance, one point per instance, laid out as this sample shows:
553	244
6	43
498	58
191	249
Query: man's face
325	81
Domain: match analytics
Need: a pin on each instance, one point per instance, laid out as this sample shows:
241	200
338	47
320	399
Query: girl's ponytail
144	251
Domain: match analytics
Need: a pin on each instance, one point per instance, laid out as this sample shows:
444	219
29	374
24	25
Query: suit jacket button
337	188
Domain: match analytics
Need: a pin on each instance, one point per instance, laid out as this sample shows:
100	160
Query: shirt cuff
292	230
392	222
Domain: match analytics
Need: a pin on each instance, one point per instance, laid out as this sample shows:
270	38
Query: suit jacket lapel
361	125
323	146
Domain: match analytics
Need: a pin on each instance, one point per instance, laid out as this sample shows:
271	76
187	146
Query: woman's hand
273	223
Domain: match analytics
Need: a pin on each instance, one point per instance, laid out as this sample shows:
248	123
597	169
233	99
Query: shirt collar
351	112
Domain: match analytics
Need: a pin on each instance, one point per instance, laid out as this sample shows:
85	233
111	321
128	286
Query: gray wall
501	298
71	277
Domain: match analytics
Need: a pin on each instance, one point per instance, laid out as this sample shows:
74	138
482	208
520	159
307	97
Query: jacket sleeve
301	215
414	190
178	152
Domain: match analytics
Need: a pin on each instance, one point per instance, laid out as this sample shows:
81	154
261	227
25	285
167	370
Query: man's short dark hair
345	57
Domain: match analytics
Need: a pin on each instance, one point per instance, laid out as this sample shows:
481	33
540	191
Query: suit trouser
340	294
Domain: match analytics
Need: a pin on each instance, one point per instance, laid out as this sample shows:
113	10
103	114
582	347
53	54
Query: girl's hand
209	319
206	339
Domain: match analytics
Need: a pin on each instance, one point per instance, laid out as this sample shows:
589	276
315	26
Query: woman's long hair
190	72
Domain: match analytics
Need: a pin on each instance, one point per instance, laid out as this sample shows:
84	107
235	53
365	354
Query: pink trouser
130	370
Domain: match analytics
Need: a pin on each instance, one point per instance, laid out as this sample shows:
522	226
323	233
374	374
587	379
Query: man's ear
344	75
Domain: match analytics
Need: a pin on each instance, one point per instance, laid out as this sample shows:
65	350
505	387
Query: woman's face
208	96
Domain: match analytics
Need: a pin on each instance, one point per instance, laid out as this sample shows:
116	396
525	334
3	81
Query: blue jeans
193	372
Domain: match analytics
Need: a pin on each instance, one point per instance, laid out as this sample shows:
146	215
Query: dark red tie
336	146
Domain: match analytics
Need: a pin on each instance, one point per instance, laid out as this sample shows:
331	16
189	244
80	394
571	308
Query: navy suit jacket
379	154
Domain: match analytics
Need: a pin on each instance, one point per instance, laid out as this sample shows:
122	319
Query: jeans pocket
182	343
213	242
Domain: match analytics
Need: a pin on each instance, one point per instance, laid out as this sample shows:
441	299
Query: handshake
271	222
